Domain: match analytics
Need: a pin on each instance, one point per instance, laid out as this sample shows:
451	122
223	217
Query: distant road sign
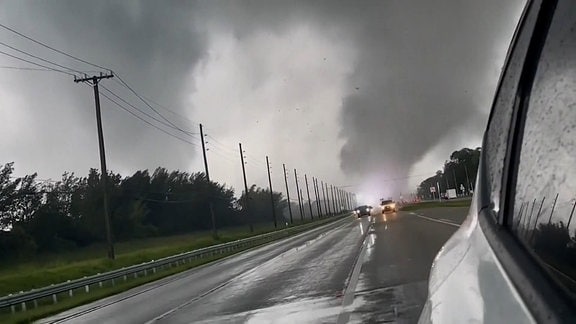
432	189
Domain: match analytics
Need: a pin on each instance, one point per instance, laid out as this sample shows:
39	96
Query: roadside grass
45	270
46	307
437	204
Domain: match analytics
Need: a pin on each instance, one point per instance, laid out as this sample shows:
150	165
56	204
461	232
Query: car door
539	198
528	220
511	261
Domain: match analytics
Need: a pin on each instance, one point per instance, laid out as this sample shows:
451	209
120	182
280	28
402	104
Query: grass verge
437	204
47	308
45	270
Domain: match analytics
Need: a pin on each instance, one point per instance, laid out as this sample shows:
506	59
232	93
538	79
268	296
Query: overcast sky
353	92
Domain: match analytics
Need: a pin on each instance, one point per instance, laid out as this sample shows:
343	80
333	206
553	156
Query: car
388	206
364	210
513	260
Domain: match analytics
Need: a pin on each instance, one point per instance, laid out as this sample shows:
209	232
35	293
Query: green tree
260	207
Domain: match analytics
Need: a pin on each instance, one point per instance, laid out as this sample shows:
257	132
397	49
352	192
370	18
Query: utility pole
326	203
308	194
336	199
302	198
246	198
287	194
339	200
333	200
299	198
271	193
467	179
204	153
210	205
94	80
351	199
455	182
317	194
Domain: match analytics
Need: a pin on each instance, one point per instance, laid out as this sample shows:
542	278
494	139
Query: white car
388	206
513	260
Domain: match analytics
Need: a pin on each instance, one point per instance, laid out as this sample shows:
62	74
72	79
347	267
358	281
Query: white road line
443	221
348	297
244	273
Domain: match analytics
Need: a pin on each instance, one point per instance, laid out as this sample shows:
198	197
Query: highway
367	270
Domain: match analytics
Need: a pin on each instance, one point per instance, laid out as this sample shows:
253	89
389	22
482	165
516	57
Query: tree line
38	217
459	171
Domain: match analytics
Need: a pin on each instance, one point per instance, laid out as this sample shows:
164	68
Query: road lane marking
443	221
344	316
249	271
159	283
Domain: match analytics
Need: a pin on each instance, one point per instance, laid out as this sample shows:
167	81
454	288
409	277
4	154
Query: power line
39	58
147	122
84	61
52	48
37	64
164	107
146	103
394	179
222	146
25	68
145	113
226	158
216	149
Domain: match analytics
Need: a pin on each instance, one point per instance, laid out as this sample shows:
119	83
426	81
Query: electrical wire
121	81
146	103
37	64
222	146
395	179
39	58
226	158
145	113
162	106
52	48
25	68
83	61
231	157
146	121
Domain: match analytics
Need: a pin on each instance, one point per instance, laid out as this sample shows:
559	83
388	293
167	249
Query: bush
15	244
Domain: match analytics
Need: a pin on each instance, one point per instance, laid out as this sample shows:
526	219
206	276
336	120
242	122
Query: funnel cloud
357	93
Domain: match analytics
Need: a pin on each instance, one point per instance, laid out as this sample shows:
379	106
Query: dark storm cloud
151	44
423	70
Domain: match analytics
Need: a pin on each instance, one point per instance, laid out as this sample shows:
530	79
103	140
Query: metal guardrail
145	268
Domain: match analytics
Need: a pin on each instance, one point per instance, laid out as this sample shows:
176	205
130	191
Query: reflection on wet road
365	270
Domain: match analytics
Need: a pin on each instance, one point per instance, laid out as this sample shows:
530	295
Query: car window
496	138
545	196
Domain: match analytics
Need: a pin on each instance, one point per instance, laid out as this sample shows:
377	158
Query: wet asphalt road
309	278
